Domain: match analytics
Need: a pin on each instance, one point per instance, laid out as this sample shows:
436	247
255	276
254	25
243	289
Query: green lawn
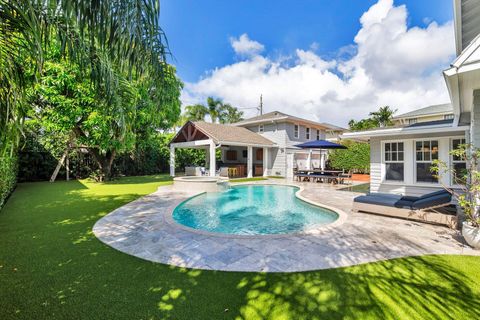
52	267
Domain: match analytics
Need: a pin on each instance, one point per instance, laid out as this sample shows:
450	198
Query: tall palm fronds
383	116
111	39
196	112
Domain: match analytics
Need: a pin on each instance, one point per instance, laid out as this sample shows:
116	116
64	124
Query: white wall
475	119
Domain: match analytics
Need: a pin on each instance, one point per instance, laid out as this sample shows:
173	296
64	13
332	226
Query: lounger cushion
432	201
433	194
425	196
423	202
395	202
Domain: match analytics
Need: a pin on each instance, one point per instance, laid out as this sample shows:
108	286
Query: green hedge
150	156
8	177
356	158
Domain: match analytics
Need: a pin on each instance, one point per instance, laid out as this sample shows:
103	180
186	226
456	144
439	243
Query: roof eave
246	123
244	144
404	131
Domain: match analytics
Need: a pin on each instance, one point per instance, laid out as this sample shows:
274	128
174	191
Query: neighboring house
287	131
263	145
401	156
431	113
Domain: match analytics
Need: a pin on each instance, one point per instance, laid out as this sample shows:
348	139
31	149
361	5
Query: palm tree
383	116
230	114
215	108
196	112
111	40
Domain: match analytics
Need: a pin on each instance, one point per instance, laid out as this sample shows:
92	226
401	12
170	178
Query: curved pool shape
252	210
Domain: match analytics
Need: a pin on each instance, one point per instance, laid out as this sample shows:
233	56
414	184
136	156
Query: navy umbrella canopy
320	144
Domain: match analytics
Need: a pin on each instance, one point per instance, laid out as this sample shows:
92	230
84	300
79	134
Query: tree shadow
139	179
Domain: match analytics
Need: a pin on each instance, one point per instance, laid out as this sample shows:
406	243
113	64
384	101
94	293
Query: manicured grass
247	179
52	267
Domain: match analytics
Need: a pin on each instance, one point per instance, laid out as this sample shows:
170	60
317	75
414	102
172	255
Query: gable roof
430	110
280	116
463	77
222	133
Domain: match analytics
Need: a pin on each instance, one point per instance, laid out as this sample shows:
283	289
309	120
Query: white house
263	145
401	156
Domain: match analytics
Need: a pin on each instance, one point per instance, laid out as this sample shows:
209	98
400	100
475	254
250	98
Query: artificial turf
52	267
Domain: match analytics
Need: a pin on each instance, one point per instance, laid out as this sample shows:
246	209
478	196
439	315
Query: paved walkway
143	228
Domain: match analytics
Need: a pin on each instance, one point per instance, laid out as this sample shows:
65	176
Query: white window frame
261	128
452	161
415	161
448	116
412	121
318	134
385	161
296	131
307	133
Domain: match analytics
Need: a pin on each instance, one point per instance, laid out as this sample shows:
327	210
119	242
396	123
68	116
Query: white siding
276	133
475	122
375	164
470	10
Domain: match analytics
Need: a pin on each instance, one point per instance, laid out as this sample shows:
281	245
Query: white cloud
390	65
244	46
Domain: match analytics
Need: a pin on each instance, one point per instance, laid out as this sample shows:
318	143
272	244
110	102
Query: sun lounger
414	208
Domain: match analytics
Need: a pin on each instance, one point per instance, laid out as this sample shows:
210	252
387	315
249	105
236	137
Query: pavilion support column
265	162
172	161
213	160
249	162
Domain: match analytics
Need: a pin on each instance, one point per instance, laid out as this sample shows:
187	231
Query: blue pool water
252	209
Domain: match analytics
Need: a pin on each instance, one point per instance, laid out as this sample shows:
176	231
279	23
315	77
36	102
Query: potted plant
468	193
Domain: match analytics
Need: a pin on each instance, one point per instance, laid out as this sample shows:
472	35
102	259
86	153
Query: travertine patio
144	229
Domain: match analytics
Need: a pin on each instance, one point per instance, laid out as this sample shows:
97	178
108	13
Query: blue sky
198	31
330	61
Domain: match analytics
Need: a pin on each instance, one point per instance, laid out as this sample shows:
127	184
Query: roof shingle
438	108
228	133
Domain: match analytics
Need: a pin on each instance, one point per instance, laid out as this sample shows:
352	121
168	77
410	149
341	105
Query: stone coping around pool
315	229
140	229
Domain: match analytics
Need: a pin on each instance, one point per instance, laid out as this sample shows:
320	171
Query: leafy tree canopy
68	107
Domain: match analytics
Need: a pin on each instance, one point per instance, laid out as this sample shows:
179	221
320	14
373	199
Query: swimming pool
252	210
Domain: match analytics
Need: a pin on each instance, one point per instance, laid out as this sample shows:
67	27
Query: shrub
8	177
356	158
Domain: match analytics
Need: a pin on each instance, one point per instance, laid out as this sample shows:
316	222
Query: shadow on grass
140	179
52	267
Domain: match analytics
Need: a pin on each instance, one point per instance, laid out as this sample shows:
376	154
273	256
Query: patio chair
415	208
345	177
223	172
323	177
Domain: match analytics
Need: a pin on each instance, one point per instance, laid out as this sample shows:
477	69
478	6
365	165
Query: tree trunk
104	162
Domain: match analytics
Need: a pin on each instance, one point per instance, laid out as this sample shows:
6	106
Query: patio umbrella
321	145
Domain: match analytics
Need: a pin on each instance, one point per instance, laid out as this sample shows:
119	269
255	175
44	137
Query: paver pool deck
144	228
